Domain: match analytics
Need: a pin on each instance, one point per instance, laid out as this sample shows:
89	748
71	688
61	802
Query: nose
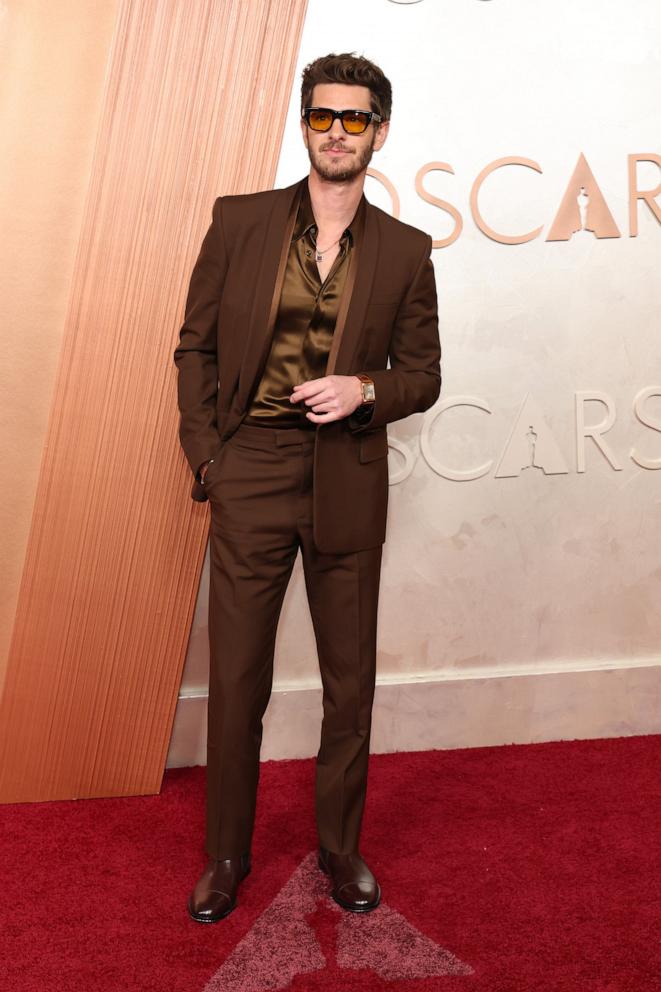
336	129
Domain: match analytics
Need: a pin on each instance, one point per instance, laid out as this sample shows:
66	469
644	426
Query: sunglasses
353	121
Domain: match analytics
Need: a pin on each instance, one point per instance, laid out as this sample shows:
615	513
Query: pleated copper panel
195	102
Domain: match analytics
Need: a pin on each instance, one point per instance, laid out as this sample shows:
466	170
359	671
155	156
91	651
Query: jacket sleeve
195	356
413	381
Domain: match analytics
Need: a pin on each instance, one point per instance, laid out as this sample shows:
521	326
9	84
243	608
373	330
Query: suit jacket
388	313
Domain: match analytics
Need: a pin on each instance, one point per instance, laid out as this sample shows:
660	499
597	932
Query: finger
312	384
325	397
300	395
321	418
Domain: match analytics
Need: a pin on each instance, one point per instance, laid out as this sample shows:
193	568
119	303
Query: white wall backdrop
547	564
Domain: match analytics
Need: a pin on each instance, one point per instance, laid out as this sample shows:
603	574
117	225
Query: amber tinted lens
319	120
355	122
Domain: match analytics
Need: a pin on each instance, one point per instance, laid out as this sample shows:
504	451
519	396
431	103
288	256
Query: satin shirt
305	321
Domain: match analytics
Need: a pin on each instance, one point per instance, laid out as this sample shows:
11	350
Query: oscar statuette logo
283	945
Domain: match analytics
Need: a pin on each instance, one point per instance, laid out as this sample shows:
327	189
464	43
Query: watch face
368	391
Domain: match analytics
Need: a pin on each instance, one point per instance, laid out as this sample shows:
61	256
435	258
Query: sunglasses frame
371	118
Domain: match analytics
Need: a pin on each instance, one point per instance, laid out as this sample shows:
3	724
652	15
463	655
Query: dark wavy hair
353	70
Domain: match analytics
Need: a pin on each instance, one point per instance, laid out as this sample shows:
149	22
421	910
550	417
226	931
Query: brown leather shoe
354	885
214	896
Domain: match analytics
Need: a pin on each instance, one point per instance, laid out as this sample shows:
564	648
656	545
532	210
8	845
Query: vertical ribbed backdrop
116	545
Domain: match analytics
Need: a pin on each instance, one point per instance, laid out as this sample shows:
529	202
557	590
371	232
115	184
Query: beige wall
53	59
519	605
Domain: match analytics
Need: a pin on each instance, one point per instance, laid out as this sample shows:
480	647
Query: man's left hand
331	397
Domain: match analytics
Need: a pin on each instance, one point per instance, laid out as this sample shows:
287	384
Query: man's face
335	155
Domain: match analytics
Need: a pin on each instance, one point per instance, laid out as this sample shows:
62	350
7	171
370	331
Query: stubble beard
347	170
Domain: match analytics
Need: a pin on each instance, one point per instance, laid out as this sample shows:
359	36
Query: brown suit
389	310
273	491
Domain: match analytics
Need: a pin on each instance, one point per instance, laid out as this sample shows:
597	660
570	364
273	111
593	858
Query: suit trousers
260	491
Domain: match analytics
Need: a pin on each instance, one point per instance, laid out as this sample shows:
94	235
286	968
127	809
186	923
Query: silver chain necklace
319	254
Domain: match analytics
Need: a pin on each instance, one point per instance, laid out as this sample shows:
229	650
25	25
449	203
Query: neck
334	204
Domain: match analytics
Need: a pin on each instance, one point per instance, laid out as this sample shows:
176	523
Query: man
298	299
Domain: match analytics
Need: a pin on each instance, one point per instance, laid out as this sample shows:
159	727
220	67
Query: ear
304	131
381	135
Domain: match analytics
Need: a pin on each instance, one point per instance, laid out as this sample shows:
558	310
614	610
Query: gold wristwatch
367	386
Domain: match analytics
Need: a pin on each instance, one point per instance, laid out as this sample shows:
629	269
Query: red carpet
533	868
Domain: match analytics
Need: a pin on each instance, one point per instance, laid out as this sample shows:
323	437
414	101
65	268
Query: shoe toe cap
212	906
362	893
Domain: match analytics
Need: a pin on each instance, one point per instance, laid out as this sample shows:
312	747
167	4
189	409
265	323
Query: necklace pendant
319	256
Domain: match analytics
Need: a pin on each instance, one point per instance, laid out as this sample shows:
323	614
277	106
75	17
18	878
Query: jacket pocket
373	446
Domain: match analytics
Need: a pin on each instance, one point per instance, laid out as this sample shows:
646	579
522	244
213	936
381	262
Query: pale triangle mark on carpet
281	944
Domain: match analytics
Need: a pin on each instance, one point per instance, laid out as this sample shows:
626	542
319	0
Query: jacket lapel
351	314
268	285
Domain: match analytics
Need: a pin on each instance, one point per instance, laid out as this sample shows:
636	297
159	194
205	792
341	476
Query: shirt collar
305	217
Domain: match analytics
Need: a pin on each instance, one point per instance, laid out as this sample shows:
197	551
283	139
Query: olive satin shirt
305	323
